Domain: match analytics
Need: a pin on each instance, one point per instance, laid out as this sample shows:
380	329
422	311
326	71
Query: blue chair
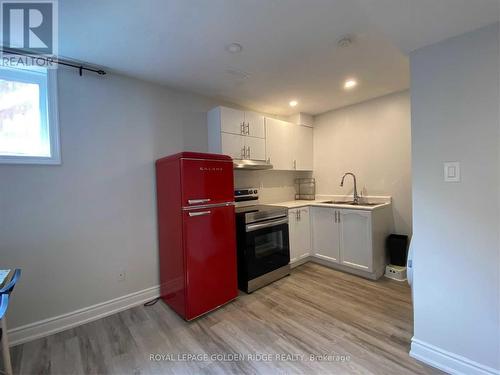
4	302
9	287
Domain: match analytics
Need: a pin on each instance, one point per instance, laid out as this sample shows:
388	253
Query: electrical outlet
122	275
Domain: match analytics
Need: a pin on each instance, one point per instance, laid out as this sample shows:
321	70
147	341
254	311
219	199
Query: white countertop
384	202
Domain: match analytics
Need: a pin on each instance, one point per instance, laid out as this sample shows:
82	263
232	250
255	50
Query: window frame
47	80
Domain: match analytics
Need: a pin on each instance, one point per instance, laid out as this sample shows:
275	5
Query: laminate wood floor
351	326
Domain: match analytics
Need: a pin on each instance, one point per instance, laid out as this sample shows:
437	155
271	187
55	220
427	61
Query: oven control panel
247	194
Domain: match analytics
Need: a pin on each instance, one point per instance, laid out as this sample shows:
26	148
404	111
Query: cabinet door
303	233
256	148
293	235
325	234
231	120
278	144
232	145
255	124
303	148
356	239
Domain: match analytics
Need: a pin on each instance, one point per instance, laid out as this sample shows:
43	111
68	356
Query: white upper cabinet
231	120
244	123
255	148
303	148
236	133
279	144
250	135
254	125
289	146
233	145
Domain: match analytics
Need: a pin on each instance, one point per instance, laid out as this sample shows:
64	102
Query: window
29	132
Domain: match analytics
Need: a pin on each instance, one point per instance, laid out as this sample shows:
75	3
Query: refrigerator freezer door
206	182
210	253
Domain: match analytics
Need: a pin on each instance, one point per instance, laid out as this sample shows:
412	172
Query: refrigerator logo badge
212	169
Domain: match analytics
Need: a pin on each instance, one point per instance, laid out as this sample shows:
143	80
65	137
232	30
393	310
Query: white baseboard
46	327
449	362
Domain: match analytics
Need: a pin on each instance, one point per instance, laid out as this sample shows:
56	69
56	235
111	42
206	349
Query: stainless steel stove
263	244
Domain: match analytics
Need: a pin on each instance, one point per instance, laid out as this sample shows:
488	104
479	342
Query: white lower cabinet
352	240
356	239
325	234
343	236
299	226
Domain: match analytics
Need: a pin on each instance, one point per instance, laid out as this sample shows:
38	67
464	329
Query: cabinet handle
248	129
249	152
242	128
336	220
339	215
198	201
243	153
296	215
300	215
295	164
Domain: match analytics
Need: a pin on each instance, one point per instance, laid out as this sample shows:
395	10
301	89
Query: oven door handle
267	224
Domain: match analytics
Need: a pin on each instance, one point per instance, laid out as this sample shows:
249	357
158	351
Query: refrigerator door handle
198	201
207	206
200	213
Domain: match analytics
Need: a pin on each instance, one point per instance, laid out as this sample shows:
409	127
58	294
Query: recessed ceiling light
293	103
350	83
234	48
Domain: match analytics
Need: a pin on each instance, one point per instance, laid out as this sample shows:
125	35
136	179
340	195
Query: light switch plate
452	171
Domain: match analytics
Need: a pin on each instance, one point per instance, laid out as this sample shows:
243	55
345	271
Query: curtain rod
66	62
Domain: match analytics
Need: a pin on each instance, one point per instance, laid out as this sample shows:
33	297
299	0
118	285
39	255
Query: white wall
455	117
372	140
73	227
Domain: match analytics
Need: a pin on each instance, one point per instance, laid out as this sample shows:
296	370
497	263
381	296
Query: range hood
251	164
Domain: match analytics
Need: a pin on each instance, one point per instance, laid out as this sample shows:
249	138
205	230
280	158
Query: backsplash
274	186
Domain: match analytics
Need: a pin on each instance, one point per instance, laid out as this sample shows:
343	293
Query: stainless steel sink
352	203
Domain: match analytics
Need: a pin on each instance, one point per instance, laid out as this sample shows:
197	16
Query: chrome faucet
356	196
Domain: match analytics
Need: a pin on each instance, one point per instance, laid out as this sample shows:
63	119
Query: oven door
267	247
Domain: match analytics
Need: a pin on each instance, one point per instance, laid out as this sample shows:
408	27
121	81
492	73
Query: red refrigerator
196	226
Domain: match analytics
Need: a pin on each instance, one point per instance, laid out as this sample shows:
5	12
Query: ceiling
289	51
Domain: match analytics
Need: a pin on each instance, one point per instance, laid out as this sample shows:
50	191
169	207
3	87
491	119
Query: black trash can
397	247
